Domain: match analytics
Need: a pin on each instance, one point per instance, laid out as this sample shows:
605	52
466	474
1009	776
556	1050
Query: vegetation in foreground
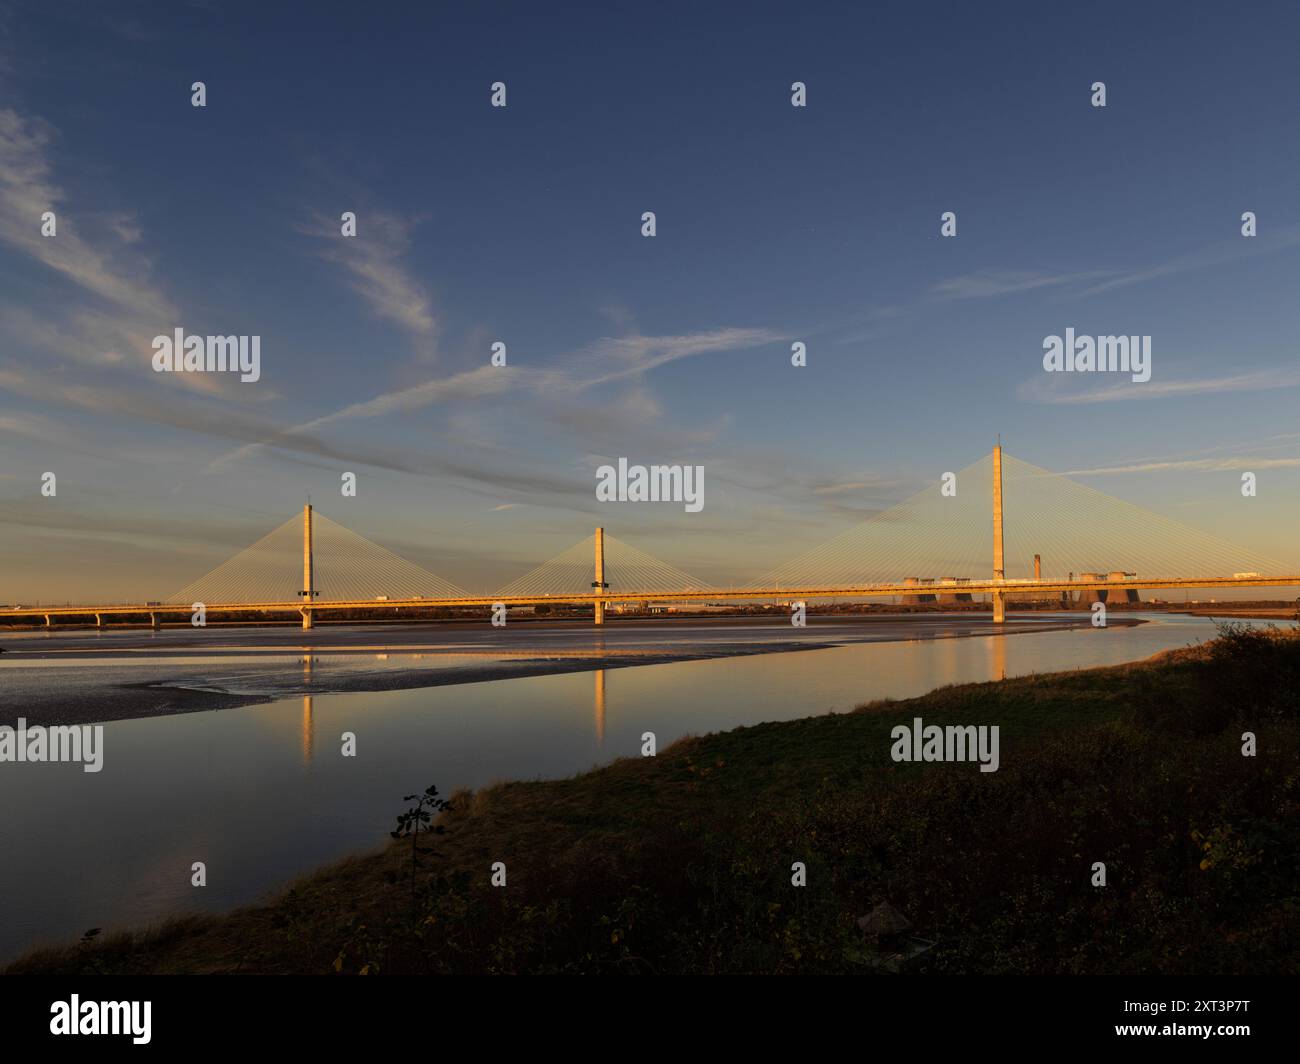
682	863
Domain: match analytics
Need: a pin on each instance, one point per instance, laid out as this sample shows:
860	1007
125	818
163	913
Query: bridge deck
1045	587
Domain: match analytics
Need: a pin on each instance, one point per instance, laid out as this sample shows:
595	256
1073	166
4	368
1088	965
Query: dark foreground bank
685	862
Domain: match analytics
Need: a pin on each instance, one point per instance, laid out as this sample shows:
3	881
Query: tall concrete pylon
308	576
999	566
599	583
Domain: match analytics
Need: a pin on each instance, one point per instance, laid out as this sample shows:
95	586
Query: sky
522	224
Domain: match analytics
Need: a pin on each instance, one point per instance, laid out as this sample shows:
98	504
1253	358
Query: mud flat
83	676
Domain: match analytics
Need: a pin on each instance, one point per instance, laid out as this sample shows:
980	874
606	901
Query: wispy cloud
28	189
1044	390
375	266
31	426
993	283
603	362
1229	457
997	283
219	420
989	284
98	306
1193	465
458	388
1203	258
616	358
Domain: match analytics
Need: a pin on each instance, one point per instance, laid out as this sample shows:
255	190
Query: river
261	793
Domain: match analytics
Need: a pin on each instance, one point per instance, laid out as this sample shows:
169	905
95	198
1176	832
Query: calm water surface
262	794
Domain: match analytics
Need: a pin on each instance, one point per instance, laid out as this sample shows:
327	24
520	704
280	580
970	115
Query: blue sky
522	224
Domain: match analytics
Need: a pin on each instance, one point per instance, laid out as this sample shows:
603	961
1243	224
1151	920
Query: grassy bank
682	862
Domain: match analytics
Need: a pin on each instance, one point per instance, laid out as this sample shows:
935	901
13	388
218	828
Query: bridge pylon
999	565
599	584
308	591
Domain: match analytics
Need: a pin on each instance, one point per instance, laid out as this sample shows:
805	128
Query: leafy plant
417	820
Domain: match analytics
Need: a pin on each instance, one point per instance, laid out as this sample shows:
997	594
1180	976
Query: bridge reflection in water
308	724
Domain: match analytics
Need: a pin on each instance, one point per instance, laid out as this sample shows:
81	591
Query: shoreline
1281	614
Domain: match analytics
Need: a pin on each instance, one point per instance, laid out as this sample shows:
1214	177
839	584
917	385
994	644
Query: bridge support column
153	621
308	575
99	621
48	622
999	566
599	584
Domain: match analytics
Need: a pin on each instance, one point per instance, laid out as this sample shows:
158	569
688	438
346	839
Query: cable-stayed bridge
985	532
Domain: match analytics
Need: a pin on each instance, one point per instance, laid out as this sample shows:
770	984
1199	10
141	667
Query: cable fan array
347	566
627	571
1074	528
